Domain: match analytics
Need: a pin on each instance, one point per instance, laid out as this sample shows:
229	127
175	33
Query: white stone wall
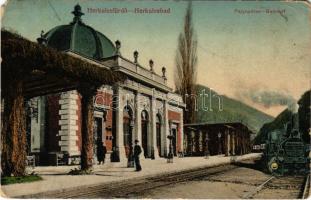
165	140
119	123
69	122
138	102
159	109
153	142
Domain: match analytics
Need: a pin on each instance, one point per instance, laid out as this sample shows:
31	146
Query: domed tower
79	38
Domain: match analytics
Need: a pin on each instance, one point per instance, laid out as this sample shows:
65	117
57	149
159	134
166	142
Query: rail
257	189
112	190
306	189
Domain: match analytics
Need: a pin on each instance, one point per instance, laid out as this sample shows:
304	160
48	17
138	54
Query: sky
260	58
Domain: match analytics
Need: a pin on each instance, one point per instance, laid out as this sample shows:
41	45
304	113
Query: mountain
228	110
277	123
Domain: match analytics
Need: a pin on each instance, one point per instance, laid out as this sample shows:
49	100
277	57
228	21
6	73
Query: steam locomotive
285	151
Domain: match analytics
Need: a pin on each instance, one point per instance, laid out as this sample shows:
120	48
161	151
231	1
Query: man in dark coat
100	151
137	152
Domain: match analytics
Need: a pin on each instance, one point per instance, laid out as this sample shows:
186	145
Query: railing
128	65
142	71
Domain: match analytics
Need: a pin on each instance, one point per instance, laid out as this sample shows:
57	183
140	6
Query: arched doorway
158	133
174	140
99	135
144	132
128	129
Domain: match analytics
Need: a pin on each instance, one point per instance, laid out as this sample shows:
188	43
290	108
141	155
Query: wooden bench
62	159
180	154
58	158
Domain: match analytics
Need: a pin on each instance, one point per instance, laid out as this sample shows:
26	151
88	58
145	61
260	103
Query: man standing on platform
137	151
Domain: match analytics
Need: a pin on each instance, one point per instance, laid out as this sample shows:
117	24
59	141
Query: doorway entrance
99	149
98	144
174	140
144	134
128	129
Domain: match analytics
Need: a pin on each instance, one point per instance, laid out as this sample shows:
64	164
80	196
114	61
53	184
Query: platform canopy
45	70
29	69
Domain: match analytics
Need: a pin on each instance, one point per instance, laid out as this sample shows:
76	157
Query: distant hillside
277	123
232	111
286	116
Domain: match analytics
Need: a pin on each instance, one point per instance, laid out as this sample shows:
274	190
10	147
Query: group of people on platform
101	154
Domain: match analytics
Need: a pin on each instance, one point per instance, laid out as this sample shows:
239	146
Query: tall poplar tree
186	66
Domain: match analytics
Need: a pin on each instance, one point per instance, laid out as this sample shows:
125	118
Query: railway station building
142	107
214	139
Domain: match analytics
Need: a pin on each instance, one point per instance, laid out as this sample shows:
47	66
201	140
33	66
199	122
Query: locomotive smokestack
295	117
295	121
293	107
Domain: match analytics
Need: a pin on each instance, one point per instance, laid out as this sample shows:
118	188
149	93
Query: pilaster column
166	129
69	122
138	120
119	126
154	149
228	144
200	141
233	143
193	142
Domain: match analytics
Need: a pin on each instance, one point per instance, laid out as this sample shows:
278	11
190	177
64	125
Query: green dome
80	38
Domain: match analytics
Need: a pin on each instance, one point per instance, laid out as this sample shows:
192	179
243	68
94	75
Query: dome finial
118	46
164	72
77	13
151	65
42	40
135	56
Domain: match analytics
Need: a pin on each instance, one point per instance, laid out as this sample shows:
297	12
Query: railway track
289	187
134	186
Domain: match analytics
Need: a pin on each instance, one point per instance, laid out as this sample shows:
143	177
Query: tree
87	108
13	133
186	66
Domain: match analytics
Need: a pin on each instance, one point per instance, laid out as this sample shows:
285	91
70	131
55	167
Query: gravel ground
232	181
282	188
232	184
57	179
200	190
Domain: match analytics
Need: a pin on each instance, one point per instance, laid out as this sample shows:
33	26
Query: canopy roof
79	37
45	70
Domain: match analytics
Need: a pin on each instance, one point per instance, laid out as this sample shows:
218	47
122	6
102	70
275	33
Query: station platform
57	178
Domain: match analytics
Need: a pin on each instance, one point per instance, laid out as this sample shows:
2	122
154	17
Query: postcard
155	99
